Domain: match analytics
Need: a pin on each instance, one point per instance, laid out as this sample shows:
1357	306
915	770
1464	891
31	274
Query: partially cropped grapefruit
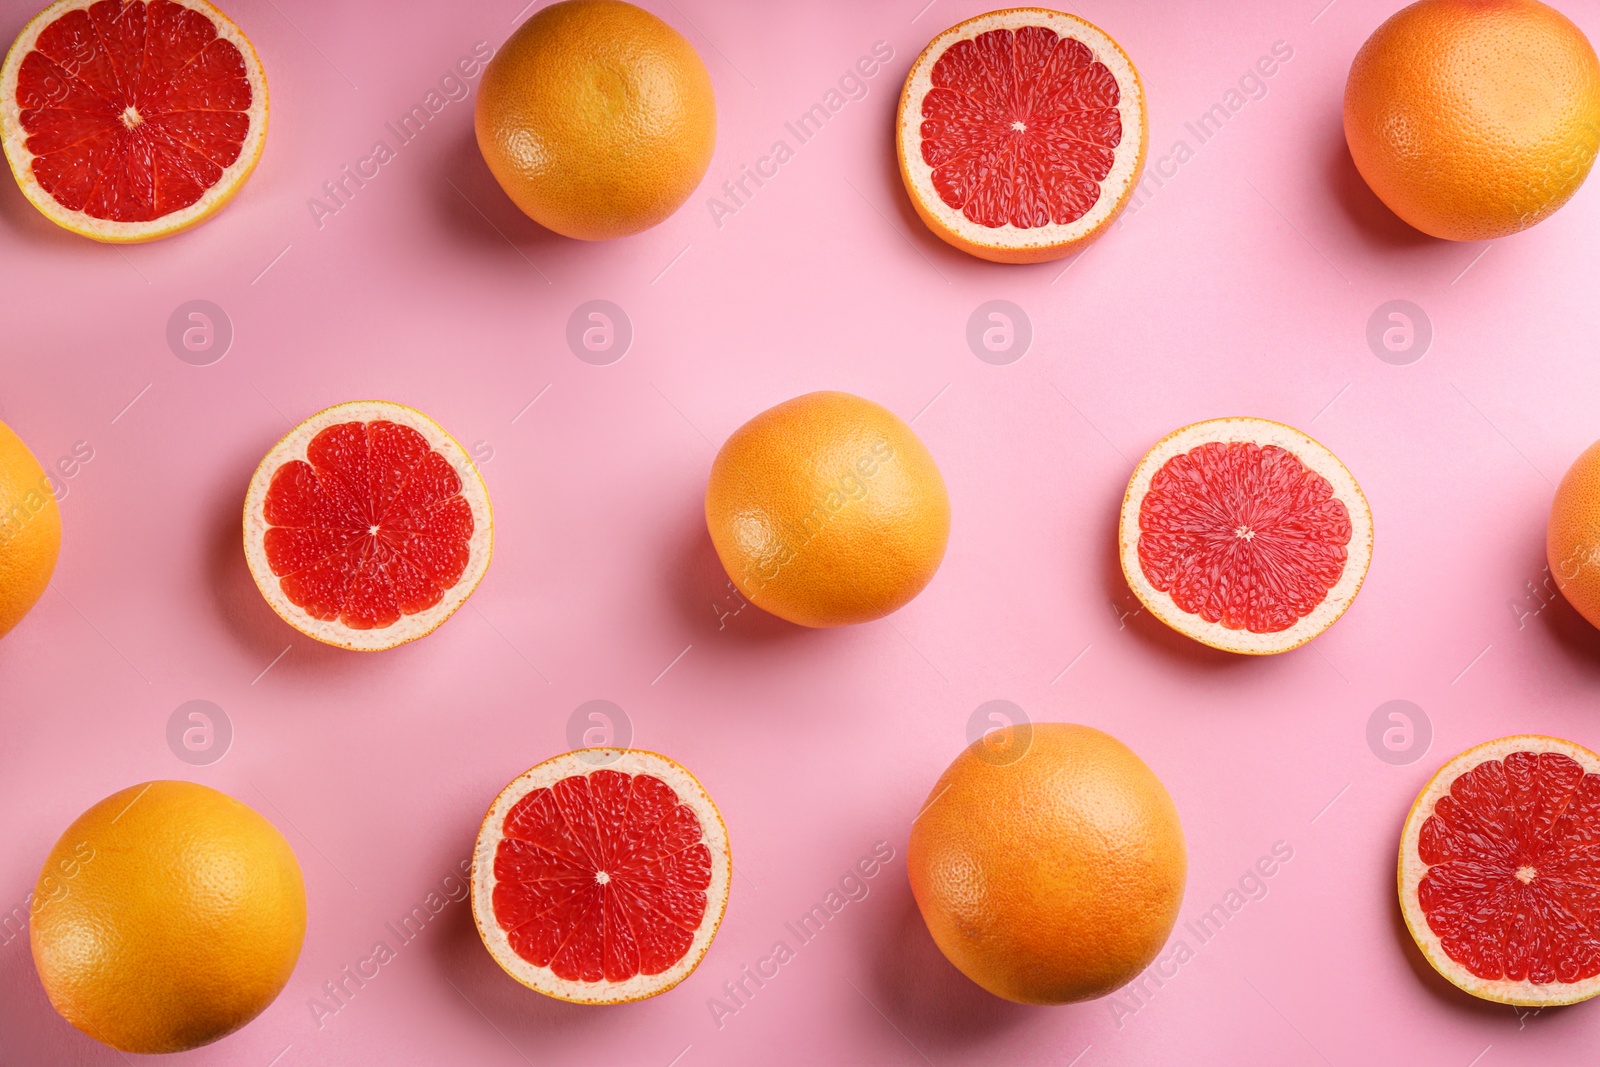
1498	871
367	526
30	530
1244	534
1473	119
601	876
1048	862
1572	539
129	120
1021	134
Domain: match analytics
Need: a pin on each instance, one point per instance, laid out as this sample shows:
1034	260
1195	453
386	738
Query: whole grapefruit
1048	863
167	916
1474	119
827	510
30	530
596	118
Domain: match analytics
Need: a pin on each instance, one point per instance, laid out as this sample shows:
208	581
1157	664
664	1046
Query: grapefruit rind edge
14	138
629	761
1011	244
1411	869
410	627
1313	455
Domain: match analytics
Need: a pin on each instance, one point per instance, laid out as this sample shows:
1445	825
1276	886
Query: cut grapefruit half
600	886
1021	134
1500	871
367	526
129	120
1245	535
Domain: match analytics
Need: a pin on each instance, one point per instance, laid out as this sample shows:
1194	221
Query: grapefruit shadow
939	1008
242	609
473	207
1145	627
1434	983
525	1017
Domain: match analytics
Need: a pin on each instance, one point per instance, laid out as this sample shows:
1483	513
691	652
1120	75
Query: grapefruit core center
133	110
1020	127
369	527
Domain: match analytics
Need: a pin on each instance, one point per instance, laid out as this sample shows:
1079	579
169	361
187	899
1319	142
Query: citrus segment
127	120
1244	534
1499	873
367	526
1021	134
599	885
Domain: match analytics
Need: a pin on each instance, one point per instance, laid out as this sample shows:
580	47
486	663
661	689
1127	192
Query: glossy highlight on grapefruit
1499	875
1244	534
601	876
1021	134
131	120
367	526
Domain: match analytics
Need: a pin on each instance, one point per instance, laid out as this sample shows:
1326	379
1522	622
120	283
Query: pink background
1242	286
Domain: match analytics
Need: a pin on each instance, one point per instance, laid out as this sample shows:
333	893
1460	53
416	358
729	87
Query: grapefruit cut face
367	526
1245	535
1500	871
1021	134
600	886
129	120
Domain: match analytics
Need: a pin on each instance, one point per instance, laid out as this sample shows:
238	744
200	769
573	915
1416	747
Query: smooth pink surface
1242	286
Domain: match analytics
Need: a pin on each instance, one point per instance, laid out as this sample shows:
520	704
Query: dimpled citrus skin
172	915
1473	119
1051	879
827	510
30	530
1572	540
597	119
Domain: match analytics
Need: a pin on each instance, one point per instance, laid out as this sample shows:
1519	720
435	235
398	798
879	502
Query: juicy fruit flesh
601	877
1513	885
1020	127
132	110
1243	535
369	527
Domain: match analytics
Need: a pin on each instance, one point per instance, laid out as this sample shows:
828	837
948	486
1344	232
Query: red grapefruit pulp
1021	133
367	526
127	120
1244	534
600	885
1500	871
